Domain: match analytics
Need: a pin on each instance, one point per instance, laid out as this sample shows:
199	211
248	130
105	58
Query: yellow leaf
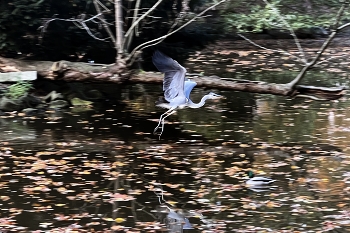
341	205
120	220
172	202
60	204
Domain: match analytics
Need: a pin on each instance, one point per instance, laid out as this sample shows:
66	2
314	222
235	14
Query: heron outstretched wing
174	75
189	85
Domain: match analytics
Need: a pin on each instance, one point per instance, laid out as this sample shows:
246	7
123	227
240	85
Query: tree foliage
62	39
20	22
255	16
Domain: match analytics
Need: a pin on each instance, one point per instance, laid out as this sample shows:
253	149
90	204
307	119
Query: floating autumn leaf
6	149
341	205
61	217
4	198
60	204
118	164
39	153
251	206
272	204
120	220
117	228
85	172
135	192
121	197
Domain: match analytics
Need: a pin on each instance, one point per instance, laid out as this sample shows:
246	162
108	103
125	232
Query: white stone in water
18	76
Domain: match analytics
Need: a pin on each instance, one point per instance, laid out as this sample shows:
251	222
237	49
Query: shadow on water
102	169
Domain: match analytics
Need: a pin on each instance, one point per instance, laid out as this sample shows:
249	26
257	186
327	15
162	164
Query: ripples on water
102	169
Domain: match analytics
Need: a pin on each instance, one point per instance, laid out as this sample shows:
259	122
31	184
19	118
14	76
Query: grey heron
176	90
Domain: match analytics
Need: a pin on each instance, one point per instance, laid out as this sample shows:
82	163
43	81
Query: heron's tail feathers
162	103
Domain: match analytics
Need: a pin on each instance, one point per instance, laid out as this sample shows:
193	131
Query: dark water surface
102	169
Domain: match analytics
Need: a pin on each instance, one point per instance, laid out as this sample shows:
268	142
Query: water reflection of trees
119	185
102	171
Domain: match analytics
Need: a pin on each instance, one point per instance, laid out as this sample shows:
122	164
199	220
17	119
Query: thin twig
78	22
331	58
170	30
157	40
319	53
103	6
338	28
339	15
273	50
101	17
290	29
139	19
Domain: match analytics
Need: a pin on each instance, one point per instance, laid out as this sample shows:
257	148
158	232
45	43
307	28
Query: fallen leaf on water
120	220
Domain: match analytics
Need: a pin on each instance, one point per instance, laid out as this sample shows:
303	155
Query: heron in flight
176	90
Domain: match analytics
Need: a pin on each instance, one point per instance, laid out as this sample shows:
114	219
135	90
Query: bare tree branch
320	51
159	39
180	16
80	23
339	15
135	23
128	39
102	19
330	58
272	50
290	29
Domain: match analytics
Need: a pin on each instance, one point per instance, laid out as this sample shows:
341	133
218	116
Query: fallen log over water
82	72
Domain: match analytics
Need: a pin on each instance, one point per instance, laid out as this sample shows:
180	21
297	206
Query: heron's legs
163	122
160	119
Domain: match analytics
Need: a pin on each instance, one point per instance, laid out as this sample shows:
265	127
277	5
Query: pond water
102	170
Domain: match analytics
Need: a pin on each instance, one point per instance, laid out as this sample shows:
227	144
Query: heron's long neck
198	105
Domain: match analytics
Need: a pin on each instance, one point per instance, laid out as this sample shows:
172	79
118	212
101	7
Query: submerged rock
26	101
29	101
79	102
9	105
2	113
59	104
94	95
31	111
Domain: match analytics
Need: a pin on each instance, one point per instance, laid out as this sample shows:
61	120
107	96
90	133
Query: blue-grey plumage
174	78
189	85
176	90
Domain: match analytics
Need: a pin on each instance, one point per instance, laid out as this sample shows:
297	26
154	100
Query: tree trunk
119	30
